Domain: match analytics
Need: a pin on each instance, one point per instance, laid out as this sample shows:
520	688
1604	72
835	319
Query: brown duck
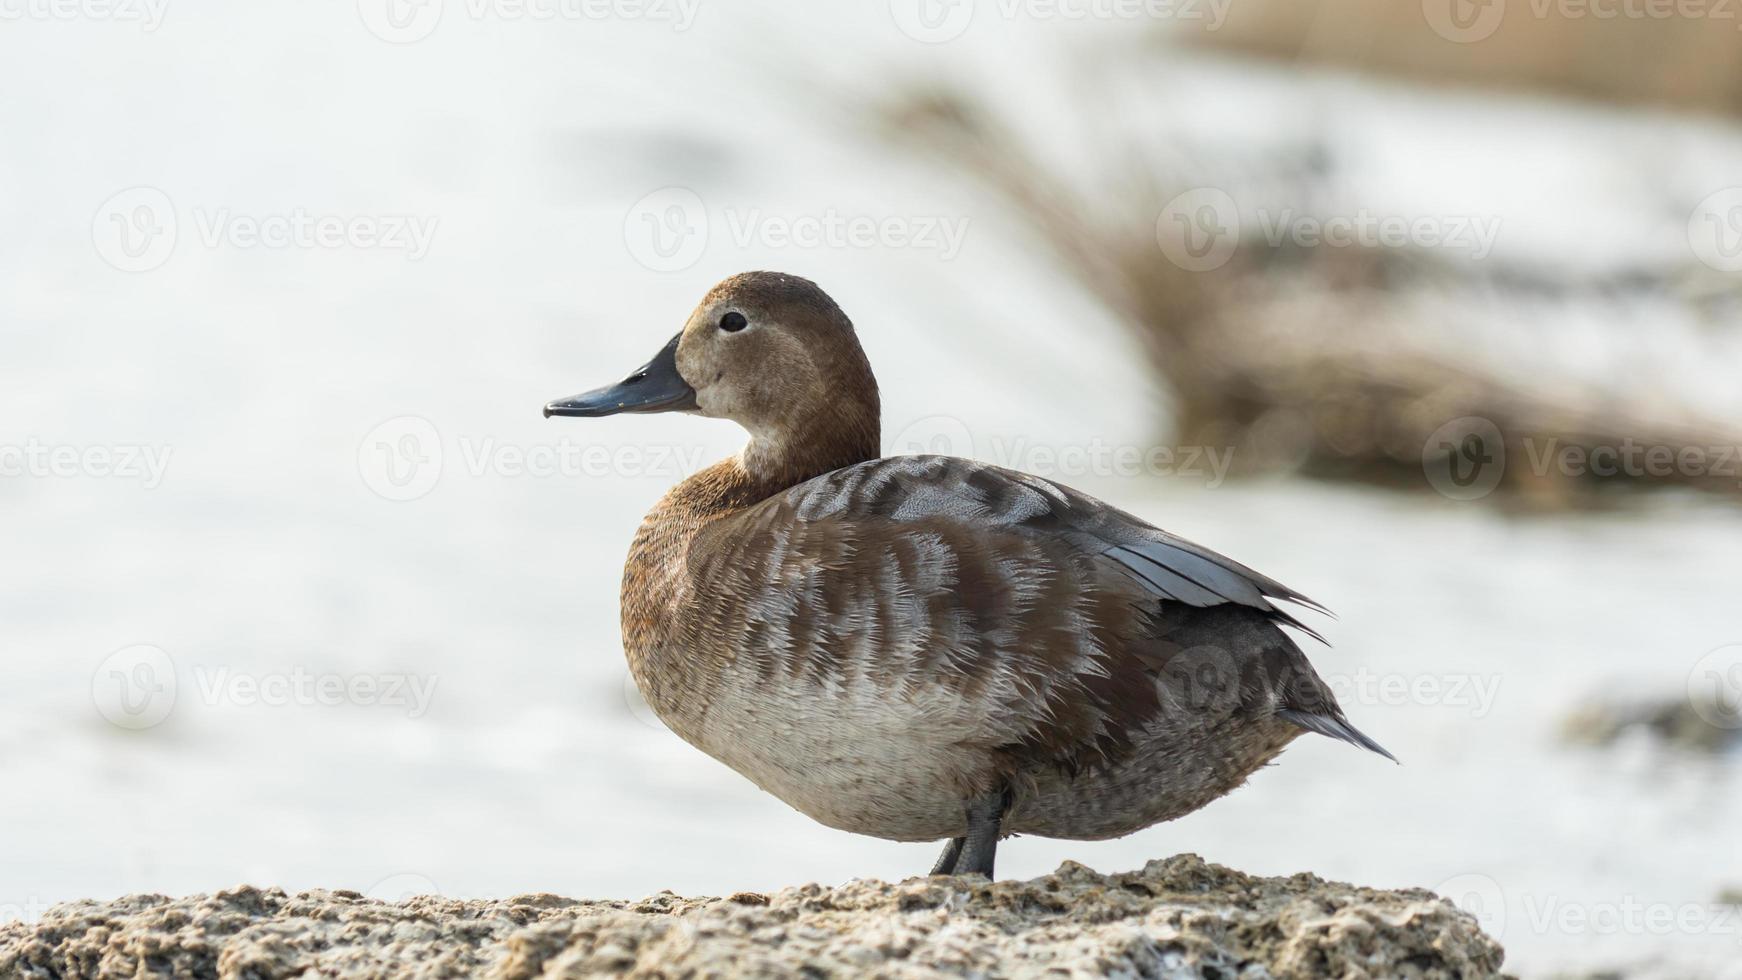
923	647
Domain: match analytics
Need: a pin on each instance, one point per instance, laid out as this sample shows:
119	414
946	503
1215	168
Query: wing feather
1040	591
1173	569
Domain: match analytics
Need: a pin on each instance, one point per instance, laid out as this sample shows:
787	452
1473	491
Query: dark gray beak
654	387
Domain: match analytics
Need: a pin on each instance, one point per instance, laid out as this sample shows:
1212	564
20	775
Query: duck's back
872	644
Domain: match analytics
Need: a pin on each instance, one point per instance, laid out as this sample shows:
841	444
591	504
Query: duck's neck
765	468
774	461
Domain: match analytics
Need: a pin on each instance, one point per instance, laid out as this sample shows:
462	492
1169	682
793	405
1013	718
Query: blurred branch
1302	358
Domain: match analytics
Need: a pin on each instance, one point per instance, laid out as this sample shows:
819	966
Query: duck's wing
919	488
1082	624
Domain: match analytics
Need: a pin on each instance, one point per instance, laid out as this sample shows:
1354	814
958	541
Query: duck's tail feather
1336	727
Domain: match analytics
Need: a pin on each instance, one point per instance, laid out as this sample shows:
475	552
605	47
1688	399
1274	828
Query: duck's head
771	352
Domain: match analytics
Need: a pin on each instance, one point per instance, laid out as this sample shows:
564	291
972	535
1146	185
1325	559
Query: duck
930	648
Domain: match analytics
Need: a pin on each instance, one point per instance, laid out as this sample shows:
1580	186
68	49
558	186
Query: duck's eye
733	322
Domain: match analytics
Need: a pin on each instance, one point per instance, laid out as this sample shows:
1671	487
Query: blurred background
1426	308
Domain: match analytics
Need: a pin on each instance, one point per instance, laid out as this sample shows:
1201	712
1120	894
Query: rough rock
1179	917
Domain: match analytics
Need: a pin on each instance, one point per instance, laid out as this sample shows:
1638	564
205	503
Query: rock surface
1180	917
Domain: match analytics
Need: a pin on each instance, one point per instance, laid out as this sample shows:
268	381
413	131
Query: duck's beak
654	387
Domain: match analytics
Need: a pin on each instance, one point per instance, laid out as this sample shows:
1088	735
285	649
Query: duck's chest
850	752
655	604
683	629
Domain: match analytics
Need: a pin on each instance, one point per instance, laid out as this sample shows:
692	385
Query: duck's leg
985	818
947	860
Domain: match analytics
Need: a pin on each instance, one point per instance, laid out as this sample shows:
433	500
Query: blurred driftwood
1685	55
1307	359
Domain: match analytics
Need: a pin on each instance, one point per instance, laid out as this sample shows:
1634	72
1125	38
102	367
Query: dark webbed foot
985	815
974	853
947	860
